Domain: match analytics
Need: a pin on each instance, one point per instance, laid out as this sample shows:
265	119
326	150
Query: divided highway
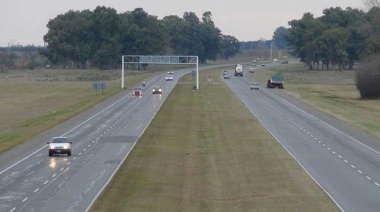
344	162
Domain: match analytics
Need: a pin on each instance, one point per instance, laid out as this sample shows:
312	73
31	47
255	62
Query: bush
368	78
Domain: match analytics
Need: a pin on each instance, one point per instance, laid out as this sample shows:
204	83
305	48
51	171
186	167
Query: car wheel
50	154
69	154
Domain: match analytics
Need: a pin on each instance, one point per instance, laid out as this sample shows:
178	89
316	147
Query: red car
137	92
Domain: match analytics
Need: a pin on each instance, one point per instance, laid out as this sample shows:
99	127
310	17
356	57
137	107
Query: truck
276	81
239	70
285	60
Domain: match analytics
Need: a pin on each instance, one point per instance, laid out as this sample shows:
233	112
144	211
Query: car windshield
60	140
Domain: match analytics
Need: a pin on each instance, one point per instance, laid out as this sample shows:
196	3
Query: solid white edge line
64	134
328	194
332	198
327	124
125	157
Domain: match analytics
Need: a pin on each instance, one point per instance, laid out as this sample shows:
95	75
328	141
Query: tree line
336	39
100	37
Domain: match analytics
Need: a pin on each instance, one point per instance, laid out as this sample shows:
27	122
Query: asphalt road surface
102	138
342	160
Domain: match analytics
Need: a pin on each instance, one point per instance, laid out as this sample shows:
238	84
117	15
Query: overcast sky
24	21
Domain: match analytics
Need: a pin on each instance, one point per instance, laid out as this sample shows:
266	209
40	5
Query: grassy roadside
30	107
332	92
204	151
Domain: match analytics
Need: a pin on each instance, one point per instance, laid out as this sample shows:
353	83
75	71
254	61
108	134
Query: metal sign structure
153	59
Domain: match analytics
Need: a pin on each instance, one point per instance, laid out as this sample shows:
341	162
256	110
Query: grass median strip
204	151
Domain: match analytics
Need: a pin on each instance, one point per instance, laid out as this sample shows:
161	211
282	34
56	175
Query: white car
169	78
60	145
170	73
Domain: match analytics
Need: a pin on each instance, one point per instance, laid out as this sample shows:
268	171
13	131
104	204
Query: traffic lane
42	173
363	160
63	184
34	146
330	171
74	132
343	145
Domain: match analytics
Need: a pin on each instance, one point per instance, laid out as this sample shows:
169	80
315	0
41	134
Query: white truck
239	70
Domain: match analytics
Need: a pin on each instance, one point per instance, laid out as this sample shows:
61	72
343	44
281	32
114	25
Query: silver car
255	86
60	145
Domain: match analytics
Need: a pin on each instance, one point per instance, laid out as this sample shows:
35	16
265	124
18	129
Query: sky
24	22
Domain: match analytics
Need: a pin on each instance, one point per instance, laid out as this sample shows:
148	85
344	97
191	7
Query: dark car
137	92
156	90
226	76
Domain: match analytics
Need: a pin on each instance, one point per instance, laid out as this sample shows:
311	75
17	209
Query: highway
342	160
102	138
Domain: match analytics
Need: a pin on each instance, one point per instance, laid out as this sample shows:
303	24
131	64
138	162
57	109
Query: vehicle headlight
51	147
65	147
160	90
153	90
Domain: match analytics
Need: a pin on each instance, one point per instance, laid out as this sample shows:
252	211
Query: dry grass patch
204	151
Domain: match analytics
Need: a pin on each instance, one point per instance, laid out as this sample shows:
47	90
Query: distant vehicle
239	70
225	72
137	92
276	81
59	145
252	70
262	64
169	77
170	72
254	86
226	76
254	62
156	90
143	84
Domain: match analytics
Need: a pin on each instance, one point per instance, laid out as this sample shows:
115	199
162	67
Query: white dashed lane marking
36	190
320	142
26	198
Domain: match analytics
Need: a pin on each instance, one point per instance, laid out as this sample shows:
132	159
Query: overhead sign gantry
155	59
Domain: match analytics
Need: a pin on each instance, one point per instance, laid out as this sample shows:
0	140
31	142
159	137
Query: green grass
204	151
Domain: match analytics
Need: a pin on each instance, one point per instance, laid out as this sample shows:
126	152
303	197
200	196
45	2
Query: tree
368	78
174	26
230	46
371	3
142	33
280	37
210	36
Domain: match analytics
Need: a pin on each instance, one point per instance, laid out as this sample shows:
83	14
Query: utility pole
271	52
